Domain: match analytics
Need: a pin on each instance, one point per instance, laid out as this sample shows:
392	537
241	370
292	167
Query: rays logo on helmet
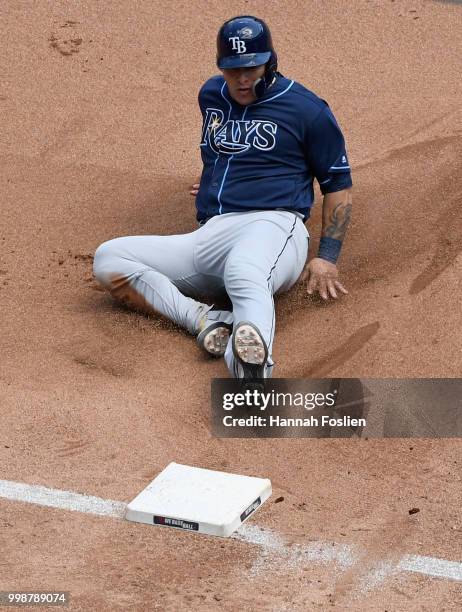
246	33
235	136
238	44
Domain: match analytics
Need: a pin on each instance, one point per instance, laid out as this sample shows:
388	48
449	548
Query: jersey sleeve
200	99
326	154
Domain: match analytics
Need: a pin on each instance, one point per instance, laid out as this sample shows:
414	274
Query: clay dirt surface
99	138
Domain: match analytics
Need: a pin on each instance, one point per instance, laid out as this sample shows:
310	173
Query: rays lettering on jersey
235	136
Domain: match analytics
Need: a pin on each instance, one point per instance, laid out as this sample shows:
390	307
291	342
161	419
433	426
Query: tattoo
339	220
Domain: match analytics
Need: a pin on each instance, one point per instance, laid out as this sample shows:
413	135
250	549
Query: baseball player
265	138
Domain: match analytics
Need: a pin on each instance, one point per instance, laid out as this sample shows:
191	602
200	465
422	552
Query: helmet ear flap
272	64
261	85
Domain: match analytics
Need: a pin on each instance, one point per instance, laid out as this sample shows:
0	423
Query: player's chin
245	96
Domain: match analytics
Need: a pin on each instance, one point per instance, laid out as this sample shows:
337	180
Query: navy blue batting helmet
244	41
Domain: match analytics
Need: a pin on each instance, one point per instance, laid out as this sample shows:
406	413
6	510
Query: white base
195	499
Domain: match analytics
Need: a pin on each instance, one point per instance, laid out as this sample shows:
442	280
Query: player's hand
194	189
322	277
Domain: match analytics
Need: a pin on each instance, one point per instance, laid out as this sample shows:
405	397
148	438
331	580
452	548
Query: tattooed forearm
336	214
338	221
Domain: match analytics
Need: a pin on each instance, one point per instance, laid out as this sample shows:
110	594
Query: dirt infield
100	133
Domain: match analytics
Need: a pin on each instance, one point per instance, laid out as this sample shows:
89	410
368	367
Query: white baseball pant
250	255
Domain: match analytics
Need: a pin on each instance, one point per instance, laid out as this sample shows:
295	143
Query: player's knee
102	268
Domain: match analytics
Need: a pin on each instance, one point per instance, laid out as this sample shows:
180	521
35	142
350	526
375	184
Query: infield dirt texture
99	138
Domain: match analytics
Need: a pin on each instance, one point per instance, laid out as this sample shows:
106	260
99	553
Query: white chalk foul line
66	500
430	566
320	552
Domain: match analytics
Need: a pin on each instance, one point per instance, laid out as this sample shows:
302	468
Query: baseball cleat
216	328
250	350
